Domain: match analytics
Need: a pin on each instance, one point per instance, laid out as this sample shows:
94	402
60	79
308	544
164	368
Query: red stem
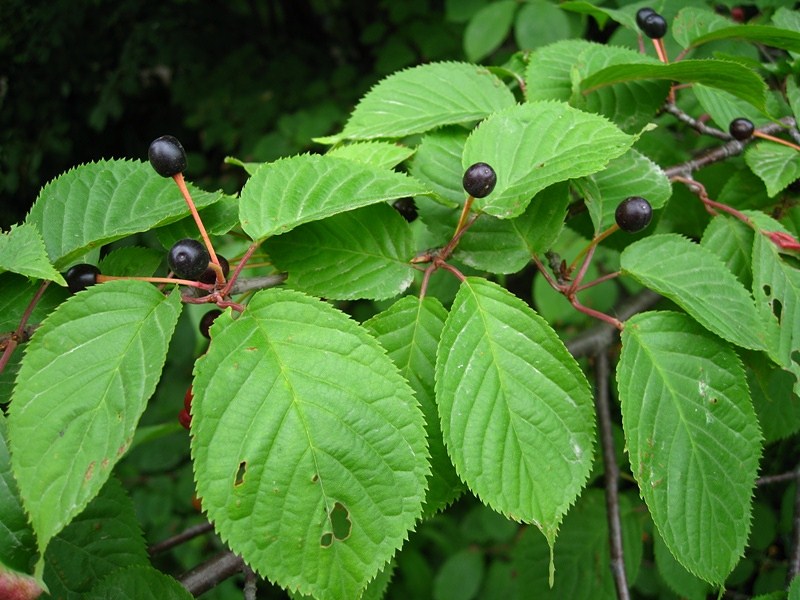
20	330
196	216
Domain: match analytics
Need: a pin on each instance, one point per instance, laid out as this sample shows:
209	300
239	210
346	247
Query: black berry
479	180
167	156
210	275
741	129
81	276
642	14
407	208
207	320
188	259
653	25
633	214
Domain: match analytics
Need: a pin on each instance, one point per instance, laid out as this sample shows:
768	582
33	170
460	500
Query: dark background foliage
81	81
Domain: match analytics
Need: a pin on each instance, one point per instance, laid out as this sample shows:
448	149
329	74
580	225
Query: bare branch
257	283
601	370
211	573
794	558
176	540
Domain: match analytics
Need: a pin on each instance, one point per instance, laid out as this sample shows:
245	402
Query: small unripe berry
167	156
633	214
185	418
479	180
188	259
81	276
187	399
741	129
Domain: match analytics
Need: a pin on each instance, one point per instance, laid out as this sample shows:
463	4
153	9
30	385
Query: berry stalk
178	178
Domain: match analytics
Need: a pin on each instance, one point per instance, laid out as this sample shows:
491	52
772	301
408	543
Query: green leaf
632	174
409	331
692	438
22	251
383	155
487	29
693	23
698	281
437	163
97	203
516	410
724	107
218	219
554	71
363	253
292	191
677	578
732	241
103	538
582	555
426	97
774	400
776	288
83	384
559	142
131	261
303	430
777	165
724	75
601	13
138	583
17	542
766	35
460	576
540	22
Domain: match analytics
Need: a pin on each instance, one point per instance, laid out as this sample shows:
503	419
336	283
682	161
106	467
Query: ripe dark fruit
207	320
188	259
479	180
167	156
653	25
210	276
642	14
407	208
741	129
81	276
633	214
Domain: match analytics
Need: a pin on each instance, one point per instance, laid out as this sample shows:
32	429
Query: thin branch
794	558
19	333
601	370
600	337
176	540
720	153
257	283
211	573
779	478
250	580
699	126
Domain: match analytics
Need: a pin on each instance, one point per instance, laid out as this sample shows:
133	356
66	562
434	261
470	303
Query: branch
794	558
257	283
720	153
601	371
699	126
211	573
176	540
600	337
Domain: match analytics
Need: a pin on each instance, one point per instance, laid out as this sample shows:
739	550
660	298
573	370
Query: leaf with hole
84	382
692	437
516	411
534	145
292	191
304	431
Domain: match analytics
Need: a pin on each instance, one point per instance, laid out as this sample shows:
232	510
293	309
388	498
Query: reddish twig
19	332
